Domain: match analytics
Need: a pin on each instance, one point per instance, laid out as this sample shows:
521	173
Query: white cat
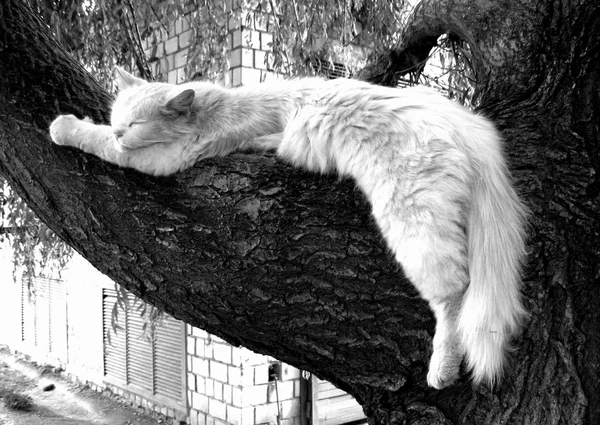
434	173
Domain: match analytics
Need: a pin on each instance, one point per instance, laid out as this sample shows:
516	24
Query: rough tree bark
289	263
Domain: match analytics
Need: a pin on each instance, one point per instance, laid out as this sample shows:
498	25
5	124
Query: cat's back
355	93
417	109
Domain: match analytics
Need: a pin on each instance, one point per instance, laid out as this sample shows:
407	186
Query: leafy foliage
449	69
102	33
307	33
15	400
36	249
207	52
128	303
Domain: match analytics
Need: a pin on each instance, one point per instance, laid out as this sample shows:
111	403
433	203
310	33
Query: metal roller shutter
58	319
44	317
139	352
148	368
27	315
168	359
115	344
42	314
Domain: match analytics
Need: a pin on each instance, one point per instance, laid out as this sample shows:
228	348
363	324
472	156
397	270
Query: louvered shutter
131	360
115	344
57	295
168	359
27	314
42	314
139	351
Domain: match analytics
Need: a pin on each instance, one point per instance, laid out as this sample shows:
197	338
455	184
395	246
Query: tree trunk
290	264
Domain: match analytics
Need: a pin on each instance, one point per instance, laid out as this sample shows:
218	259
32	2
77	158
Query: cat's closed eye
131	124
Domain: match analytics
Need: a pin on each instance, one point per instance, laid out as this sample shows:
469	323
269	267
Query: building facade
182	372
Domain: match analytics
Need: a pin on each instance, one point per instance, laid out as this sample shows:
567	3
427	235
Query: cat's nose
119	133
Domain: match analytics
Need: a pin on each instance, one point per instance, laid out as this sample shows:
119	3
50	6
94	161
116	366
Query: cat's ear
125	80
182	103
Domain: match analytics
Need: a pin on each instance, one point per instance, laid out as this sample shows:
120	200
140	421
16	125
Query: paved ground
66	404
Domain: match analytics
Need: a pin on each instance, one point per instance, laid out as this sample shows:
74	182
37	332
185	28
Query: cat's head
145	113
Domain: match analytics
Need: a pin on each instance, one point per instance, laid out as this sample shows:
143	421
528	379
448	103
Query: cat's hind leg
438	269
424	223
447	353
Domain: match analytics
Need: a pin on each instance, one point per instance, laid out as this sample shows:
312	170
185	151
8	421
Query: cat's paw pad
442	378
443	371
63	129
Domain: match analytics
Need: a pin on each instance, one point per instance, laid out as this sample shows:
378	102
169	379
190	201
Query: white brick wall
231	385
248	45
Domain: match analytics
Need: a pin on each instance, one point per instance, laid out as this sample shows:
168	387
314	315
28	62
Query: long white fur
434	173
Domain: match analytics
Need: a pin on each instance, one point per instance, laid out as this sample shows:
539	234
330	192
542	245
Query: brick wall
248	48
234	386
171	47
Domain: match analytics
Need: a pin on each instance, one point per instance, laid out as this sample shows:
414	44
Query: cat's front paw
64	129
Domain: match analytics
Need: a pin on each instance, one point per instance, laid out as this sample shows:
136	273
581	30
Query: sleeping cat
434	173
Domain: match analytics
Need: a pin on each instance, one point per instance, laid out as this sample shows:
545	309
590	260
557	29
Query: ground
67	403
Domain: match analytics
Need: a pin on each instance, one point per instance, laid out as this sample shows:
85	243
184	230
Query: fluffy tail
492	310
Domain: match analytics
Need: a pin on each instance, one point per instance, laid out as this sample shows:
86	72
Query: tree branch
505	56
429	20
